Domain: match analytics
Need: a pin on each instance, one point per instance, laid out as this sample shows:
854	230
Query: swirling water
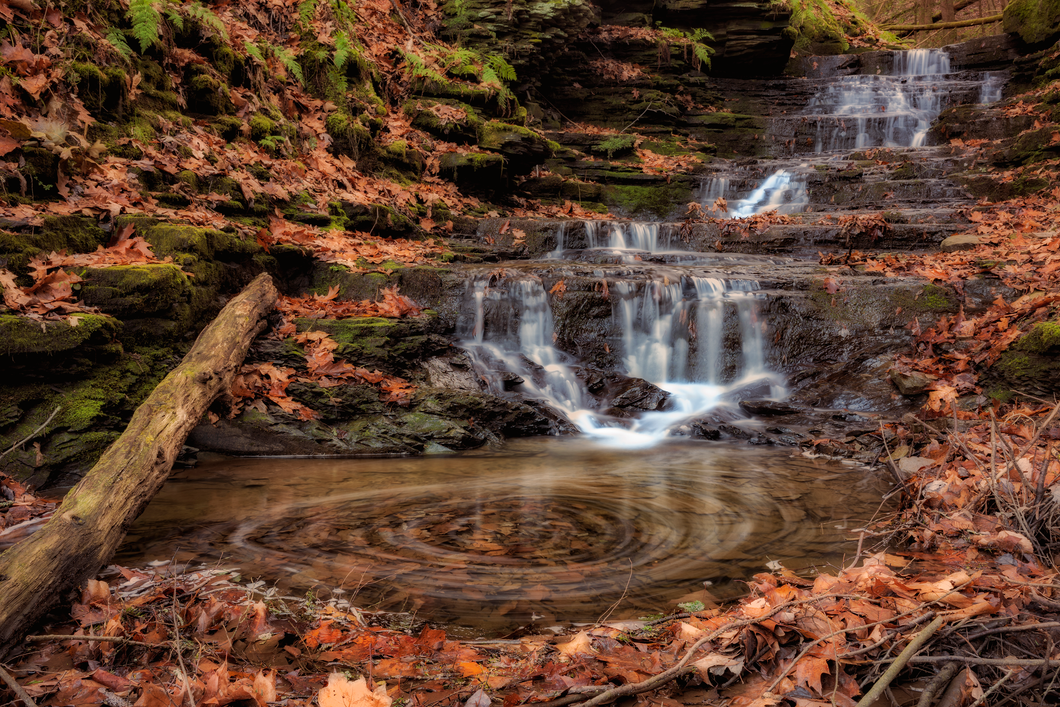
540	532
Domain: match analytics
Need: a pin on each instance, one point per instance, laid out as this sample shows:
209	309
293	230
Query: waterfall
693	331
882	110
522	349
672	335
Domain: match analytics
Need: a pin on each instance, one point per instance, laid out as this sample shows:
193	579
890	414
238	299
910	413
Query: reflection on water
543	531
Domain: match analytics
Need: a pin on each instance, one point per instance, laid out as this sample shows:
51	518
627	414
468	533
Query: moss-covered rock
477	171
451	120
135	290
395	345
523	148
73	234
20	335
1035	21
1030	365
90	412
207	94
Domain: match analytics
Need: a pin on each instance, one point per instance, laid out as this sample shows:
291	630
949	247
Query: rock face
1035	21
750	38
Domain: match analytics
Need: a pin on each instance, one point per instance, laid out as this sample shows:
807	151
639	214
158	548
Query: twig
900	662
103	639
637	118
32	434
1012	629
972	660
940	681
16	688
614	606
671	673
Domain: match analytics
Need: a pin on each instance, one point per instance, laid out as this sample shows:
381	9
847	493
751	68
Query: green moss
73	234
1035	21
1040	339
19	335
935	299
659	200
135	290
227	126
207	94
186	176
261	127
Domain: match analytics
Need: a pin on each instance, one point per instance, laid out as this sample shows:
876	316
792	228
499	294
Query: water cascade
670	333
854	112
882	110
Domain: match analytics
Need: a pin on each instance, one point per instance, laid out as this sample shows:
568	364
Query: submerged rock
911	382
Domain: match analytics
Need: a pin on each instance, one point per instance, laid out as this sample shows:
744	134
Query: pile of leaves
21	511
167	636
51	296
257	382
357	251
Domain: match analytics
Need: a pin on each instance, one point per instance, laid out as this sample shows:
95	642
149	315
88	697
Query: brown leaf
340	692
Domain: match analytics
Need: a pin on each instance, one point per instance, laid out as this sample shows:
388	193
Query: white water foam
672	336
893	110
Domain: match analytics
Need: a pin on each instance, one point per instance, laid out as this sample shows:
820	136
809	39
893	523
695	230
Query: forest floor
953	600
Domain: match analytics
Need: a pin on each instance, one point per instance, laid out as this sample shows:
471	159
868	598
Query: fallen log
92	520
944	25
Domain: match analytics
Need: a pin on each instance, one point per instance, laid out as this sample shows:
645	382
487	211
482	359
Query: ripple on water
544	530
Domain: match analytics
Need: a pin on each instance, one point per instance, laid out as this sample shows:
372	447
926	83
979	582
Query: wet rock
767	407
634	395
963	241
453	373
354	422
911	382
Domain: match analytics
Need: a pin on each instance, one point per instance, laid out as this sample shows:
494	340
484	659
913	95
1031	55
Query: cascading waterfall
671	334
882	110
700	338
524	347
853	112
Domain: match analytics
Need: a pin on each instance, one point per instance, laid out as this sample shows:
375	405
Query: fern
291	64
253	51
206	17
306	11
702	55
146	22
343	49
174	16
463	62
501	67
117	42
420	70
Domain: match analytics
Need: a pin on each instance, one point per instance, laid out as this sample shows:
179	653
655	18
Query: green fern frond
117	42
291	64
419	69
489	78
342	49
206	17
702	53
307	10
146	21
502	68
173	16
253	51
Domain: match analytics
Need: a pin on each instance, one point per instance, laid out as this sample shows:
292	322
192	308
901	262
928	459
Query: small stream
541	533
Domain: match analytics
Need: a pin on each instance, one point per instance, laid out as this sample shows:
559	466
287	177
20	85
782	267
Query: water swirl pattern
546	531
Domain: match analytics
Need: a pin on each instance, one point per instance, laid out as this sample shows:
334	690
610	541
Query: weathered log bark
943	25
87	528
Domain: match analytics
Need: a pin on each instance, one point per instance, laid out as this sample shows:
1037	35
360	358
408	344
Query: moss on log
90	524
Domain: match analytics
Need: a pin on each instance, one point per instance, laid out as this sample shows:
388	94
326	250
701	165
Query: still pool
540	533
